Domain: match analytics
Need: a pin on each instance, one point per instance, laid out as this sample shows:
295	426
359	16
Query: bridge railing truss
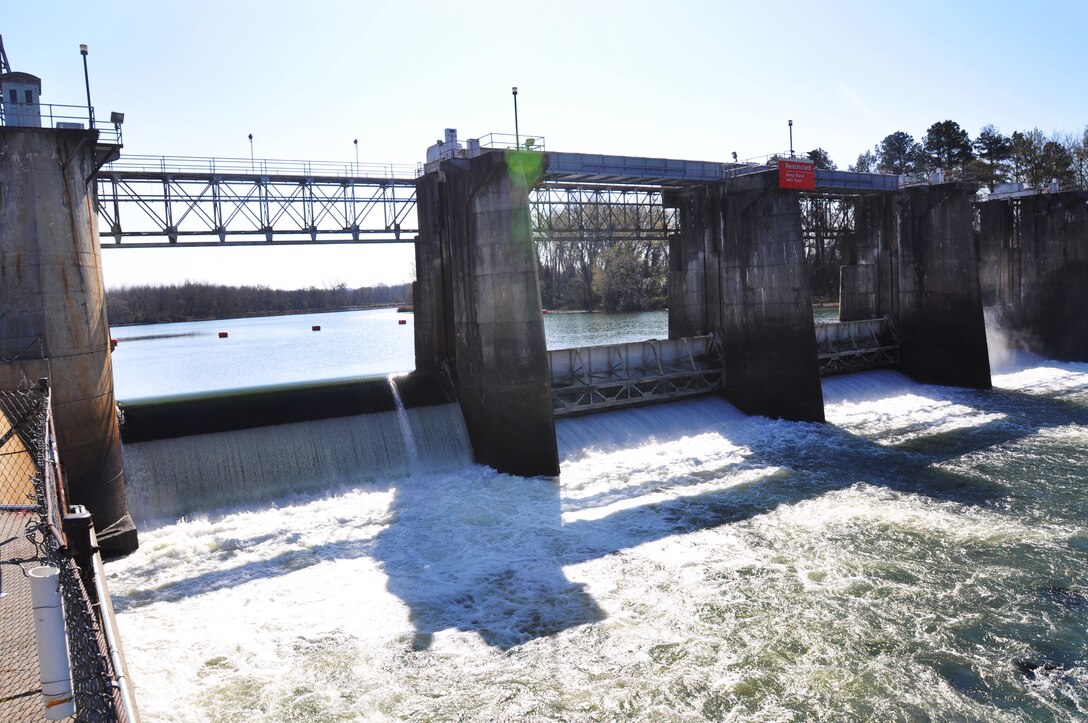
154	209
618	213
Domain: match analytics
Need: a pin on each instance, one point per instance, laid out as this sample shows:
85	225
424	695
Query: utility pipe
53	666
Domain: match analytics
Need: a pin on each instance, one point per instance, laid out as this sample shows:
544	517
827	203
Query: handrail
261	166
62	116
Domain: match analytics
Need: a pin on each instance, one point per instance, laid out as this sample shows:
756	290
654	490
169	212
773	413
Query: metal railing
523	141
207	166
53	115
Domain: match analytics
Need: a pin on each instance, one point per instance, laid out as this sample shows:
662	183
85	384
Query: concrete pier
914	259
53	315
1035	271
477	300
942	331
769	336
737	269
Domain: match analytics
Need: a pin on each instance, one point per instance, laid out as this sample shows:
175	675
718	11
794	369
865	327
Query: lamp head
82	48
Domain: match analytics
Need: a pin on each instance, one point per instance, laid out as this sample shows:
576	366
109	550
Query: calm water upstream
159	359
920	557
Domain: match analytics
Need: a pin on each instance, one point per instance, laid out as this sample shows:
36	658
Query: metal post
517	137
791	138
87	82
356	142
251	163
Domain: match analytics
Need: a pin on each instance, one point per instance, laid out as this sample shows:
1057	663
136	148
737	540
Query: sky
682	79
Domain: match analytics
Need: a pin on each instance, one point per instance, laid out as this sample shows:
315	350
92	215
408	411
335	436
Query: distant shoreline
258	314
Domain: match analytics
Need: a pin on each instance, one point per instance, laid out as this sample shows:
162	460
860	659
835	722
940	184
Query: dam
740	308
469	536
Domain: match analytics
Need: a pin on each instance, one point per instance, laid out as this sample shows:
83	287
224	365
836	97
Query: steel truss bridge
160	201
153	202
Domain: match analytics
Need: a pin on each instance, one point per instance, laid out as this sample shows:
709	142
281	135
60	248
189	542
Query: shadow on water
484	552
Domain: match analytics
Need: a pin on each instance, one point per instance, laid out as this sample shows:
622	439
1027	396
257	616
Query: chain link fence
32	492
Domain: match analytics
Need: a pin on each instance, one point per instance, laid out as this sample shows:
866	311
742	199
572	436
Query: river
154	360
920	557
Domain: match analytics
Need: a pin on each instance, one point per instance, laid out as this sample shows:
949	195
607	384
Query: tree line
991	158
192	301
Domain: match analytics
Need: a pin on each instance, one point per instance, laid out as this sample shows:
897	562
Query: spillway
196	453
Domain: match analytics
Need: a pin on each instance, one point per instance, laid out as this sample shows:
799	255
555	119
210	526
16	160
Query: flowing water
920	557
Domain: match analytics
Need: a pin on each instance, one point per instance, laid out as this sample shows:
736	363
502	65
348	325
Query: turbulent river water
920	557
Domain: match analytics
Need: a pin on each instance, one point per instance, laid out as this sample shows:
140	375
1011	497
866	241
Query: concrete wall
1036	270
480	292
694	270
53	315
914	258
942	333
999	253
869	277
431	292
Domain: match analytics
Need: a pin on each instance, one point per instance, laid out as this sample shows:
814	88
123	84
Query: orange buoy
401	321
315	327
223	335
113	344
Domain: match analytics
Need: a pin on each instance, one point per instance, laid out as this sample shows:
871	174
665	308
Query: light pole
791	138
252	165
356	142
517	137
87	82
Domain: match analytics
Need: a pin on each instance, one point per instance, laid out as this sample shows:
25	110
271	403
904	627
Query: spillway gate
596	378
853	346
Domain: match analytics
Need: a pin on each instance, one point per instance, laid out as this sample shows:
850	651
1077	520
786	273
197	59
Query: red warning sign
800	175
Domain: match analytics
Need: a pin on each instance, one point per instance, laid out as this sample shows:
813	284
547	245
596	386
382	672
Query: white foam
692	563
